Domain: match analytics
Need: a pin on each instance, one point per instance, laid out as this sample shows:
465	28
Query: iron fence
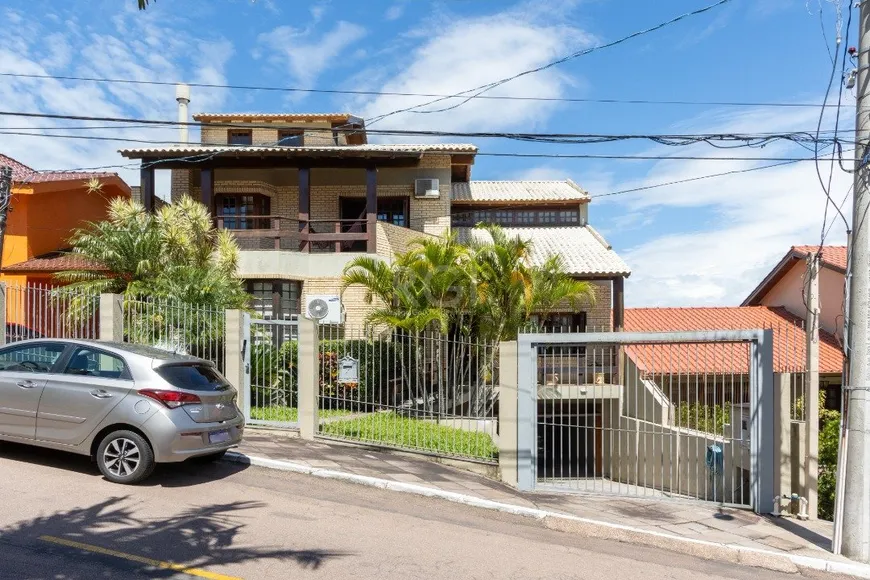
175	326
426	392
274	381
42	310
645	419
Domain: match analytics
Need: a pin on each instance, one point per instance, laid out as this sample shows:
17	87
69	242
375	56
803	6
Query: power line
690	179
489	86
479	154
805	136
413	94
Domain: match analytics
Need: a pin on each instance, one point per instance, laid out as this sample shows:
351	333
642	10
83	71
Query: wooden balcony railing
305	236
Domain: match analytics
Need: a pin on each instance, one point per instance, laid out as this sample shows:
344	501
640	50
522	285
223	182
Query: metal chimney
182	95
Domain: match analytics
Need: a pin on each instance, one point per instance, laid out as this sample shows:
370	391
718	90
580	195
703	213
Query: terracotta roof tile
834	256
54	262
789	340
24	174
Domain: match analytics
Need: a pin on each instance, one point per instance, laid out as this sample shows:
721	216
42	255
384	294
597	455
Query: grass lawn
289	414
393	429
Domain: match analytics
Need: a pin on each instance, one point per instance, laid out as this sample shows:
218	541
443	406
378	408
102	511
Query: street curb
583	526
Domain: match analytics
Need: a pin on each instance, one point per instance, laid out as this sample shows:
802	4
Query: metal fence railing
176	326
42	310
645	419
428	393
274	381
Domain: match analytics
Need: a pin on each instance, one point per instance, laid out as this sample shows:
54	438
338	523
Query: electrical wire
578	100
478	91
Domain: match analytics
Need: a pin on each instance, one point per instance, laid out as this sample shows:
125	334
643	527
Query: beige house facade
305	194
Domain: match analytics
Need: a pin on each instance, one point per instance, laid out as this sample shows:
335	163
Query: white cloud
129	45
471	52
395	11
305	56
741	225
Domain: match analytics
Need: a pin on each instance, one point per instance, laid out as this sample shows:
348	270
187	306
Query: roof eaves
772	278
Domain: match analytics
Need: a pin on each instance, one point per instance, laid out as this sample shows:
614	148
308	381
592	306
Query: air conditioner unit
326	309
426	188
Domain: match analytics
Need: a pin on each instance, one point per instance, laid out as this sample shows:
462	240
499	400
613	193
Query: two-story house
306	193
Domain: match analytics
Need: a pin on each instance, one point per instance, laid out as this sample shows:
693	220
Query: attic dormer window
236	137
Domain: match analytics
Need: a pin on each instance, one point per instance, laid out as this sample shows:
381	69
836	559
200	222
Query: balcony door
239	211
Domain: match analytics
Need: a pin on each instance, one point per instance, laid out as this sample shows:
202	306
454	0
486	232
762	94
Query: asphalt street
61	521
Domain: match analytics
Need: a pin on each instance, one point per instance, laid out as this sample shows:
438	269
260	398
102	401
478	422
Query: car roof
156	354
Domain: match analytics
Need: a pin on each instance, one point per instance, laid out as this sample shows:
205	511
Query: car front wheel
125	457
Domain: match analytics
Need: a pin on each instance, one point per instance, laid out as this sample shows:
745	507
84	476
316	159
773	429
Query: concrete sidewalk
683	519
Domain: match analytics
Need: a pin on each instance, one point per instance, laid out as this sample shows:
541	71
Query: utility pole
811	386
854	538
5	198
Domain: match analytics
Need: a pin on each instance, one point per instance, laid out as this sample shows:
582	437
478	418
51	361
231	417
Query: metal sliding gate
685	415
271	372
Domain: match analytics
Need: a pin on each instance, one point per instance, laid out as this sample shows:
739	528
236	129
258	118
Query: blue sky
704	242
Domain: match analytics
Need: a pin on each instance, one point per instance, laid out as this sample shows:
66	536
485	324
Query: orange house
45	209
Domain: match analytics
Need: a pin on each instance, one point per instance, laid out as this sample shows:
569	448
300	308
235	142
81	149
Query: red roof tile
789	340
24	174
55	262
834	256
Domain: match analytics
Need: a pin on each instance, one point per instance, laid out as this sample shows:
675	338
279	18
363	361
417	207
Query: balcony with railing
271	232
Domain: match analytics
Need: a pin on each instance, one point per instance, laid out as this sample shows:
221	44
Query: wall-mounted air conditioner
426	188
326	309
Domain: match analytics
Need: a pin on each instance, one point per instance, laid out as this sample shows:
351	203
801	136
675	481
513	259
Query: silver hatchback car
127	406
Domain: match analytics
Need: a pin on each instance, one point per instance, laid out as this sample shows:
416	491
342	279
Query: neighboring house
784	286
46	208
716	373
305	194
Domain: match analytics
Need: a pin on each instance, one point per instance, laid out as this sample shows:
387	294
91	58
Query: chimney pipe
182	95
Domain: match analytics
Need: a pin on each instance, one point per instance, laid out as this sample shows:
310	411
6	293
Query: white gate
271	373
655	415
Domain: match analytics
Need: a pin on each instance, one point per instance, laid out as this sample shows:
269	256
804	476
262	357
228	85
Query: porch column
371	209
206	177
304	208
618	303
146	184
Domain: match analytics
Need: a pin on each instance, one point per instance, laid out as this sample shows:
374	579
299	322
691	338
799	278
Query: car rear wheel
125	457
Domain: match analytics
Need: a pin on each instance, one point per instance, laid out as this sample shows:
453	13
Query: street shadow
199	537
800	530
165	475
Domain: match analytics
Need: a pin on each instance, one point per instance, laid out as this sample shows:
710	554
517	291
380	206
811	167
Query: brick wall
392	240
315	133
180	184
598	316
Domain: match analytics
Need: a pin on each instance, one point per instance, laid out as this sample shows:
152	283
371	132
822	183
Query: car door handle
27	384
101	394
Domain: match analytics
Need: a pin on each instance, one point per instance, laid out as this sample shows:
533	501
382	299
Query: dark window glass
393	211
193	377
96	363
239	138
234	209
31	358
290	138
275	299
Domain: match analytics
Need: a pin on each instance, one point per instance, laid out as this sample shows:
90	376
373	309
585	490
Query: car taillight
172	399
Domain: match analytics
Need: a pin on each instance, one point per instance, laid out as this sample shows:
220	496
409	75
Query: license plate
218	436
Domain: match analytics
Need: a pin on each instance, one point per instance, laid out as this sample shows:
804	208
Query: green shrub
706	418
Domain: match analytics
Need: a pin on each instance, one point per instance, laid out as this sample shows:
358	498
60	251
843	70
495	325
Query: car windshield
193	377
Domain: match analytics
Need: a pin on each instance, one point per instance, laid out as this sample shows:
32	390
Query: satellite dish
318	309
